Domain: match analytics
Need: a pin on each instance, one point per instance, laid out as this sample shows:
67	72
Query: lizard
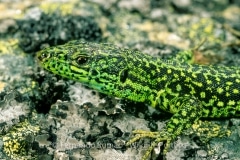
186	90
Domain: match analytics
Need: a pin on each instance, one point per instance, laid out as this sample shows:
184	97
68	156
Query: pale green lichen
18	140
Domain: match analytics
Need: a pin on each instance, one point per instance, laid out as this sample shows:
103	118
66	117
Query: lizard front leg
189	110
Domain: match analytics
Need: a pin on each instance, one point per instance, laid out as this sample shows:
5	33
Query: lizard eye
81	60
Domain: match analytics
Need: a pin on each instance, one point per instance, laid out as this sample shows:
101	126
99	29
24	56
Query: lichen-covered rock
17	142
52	29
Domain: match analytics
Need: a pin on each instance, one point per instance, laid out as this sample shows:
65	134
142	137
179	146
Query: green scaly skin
186	90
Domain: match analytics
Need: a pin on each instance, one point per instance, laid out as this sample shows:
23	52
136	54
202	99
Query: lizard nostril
42	55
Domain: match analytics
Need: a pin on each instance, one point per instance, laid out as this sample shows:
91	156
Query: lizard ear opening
123	75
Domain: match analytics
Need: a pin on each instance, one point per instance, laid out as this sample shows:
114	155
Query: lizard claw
157	136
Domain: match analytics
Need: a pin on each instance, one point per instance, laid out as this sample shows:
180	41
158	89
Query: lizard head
99	66
103	67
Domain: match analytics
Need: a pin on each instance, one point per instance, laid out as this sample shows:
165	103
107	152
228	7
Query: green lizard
188	91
